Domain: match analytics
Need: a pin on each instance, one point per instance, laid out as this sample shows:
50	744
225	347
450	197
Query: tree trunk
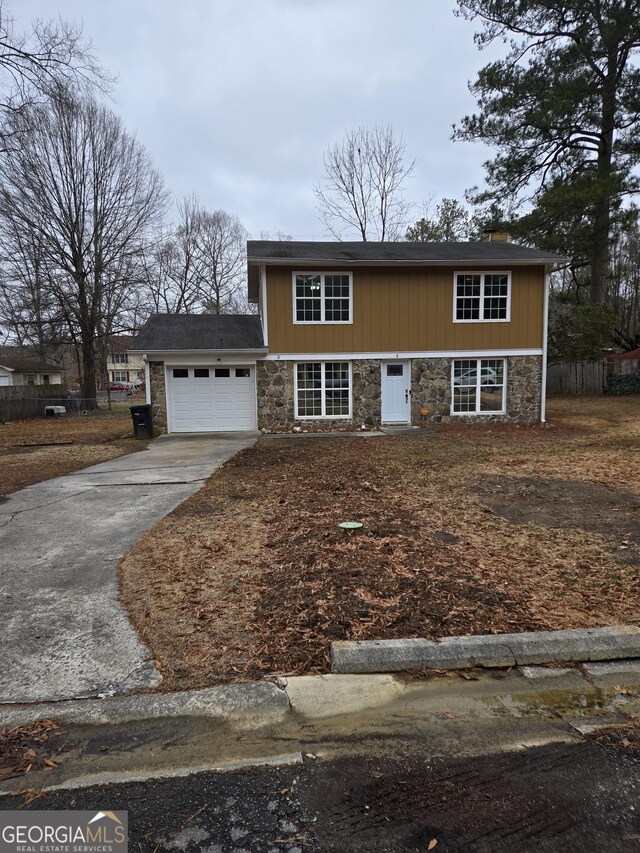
602	212
88	378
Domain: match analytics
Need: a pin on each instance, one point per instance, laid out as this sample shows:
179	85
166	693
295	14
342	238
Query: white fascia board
205	360
11	369
442	262
349	356
162	355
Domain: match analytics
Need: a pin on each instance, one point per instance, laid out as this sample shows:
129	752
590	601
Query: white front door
396	392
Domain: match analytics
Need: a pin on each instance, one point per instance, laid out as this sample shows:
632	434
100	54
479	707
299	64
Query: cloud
238	101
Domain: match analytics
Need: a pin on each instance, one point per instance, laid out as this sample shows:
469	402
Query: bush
629	384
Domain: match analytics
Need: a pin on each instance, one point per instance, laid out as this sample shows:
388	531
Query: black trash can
142	421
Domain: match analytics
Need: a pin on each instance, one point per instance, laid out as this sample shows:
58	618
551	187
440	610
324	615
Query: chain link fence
30	401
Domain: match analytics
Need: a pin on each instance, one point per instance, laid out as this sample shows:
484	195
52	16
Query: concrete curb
243	705
492	650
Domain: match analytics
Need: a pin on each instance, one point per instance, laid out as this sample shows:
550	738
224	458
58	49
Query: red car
119	386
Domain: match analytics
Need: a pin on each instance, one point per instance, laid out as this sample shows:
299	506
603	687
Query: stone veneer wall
158	396
431	387
276	409
274	381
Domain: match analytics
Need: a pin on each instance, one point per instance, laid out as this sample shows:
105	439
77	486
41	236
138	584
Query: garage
211	399
200	371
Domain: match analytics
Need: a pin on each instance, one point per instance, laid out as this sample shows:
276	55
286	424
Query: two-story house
121	365
360	333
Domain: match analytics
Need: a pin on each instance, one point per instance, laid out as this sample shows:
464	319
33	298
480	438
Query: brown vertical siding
406	310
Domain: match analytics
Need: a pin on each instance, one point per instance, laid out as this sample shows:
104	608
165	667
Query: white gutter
545	348
200	351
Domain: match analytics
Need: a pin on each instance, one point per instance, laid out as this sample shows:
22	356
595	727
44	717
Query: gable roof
119	343
185	332
632	355
481	251
31	365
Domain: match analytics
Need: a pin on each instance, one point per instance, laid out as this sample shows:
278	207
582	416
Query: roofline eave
555	260
200	351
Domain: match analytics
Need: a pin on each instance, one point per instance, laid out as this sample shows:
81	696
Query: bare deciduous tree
84	190
223	258
362	190
35	64
199	266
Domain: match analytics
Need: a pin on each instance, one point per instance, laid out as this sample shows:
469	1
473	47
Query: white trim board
390	356
263	305
319	263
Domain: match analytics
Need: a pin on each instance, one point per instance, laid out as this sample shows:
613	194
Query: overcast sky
237	100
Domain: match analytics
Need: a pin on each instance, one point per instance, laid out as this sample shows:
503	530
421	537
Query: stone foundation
158	394
430	387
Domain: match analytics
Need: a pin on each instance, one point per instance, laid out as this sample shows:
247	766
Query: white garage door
211	399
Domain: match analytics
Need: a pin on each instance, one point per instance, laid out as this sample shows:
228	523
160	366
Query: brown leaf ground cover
37	449
32	747
466	529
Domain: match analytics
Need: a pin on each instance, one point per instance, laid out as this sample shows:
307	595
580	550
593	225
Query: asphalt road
579	796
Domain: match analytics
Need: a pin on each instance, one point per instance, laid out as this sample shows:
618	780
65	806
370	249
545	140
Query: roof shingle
199	331
260	251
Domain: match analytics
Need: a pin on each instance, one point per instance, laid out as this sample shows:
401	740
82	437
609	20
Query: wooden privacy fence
590	377
28	401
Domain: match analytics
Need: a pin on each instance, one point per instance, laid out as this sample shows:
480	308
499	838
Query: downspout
545	347
147	380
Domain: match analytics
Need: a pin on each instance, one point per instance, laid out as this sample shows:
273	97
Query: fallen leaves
37	449
251	576
24	749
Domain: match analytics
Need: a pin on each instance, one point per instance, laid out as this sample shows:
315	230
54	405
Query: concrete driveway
63	634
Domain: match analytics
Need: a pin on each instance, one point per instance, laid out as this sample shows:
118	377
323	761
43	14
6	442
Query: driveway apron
63	633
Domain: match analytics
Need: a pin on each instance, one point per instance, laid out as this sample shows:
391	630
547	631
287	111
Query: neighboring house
360	333
123	366
28	371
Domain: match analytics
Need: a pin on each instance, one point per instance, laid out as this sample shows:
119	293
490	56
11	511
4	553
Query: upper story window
322	298
120	358
482	297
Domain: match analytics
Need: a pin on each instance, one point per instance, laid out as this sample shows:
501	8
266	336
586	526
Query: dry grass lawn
37	449
467	529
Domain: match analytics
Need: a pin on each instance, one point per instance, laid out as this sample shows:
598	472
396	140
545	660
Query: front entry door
396	392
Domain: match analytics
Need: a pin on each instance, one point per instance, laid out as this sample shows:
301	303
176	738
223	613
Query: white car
488	376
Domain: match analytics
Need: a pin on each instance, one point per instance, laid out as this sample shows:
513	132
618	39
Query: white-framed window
322	389
478	386
325	297
481	297
120	358
120	376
